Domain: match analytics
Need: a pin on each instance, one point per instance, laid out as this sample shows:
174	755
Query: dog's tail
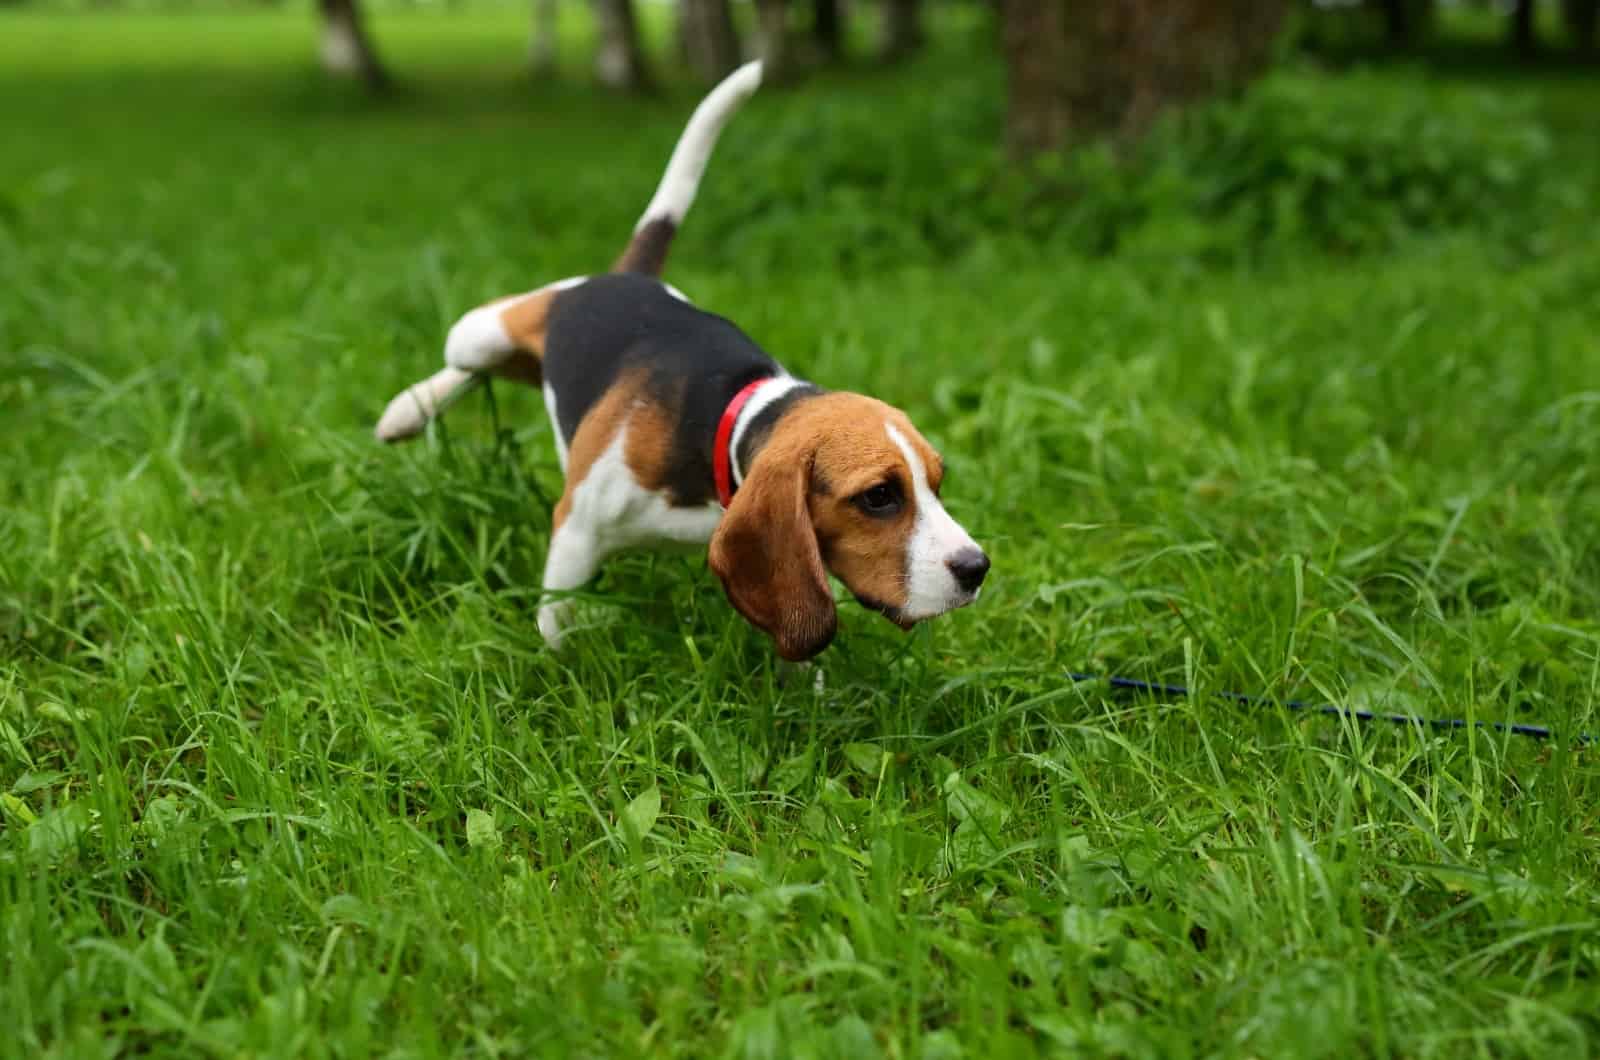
647	251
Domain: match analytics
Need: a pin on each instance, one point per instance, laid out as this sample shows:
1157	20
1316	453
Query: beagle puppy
674	428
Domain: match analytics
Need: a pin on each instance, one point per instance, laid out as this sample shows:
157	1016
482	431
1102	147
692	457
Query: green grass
287	770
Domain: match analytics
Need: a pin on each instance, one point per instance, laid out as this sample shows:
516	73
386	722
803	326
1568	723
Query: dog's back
509	336
625	323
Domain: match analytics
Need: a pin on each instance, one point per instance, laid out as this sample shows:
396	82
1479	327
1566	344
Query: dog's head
844	484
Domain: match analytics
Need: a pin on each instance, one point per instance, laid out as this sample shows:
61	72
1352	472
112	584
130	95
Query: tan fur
648	446
526	321
766	554
794	514
595	433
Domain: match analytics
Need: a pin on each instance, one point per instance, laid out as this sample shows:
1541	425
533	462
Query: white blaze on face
931	588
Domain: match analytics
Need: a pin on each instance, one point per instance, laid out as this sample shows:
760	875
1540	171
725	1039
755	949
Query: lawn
286	770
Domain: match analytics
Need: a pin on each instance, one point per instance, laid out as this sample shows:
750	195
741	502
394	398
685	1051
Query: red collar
721	458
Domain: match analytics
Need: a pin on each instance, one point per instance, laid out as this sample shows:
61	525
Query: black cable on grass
1539	732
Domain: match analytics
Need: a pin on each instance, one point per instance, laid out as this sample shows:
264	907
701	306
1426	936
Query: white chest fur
623	514
609	512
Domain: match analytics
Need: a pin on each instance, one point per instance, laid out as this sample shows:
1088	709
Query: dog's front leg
575	555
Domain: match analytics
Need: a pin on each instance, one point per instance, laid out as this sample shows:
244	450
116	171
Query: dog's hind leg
504	338
411	409
507	335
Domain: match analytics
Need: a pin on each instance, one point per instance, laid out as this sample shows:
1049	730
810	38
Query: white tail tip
676	191
746	79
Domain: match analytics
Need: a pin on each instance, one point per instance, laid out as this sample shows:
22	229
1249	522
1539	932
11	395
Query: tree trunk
901	32
1080	70
1524	38
827	29
1035	40
1397	17
619	63
1408	21
772	26
1583	22
543	42
346	49
709	40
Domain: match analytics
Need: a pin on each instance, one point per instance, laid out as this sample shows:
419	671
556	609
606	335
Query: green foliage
1354	164
832	184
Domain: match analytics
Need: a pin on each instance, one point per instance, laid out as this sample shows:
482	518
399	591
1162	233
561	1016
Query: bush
1352	163
861	181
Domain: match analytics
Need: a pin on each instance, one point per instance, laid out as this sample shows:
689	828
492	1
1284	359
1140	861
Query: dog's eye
881	500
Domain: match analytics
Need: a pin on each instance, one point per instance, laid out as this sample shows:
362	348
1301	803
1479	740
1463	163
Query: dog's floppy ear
765	551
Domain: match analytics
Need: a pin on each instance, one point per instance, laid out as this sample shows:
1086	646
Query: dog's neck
761	413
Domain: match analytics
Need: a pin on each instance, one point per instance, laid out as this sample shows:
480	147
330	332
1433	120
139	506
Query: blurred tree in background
901	28
1076	71
827	28
544	42
772	36
1523	33
1583	18
1408	21
1086	70
619	61
708	37
346	47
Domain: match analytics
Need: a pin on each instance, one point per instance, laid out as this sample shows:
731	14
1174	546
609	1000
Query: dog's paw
796	672
410	410
553	621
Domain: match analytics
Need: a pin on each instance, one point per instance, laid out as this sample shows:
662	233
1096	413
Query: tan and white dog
673	427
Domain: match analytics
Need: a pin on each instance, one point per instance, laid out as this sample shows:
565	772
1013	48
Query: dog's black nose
969	566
